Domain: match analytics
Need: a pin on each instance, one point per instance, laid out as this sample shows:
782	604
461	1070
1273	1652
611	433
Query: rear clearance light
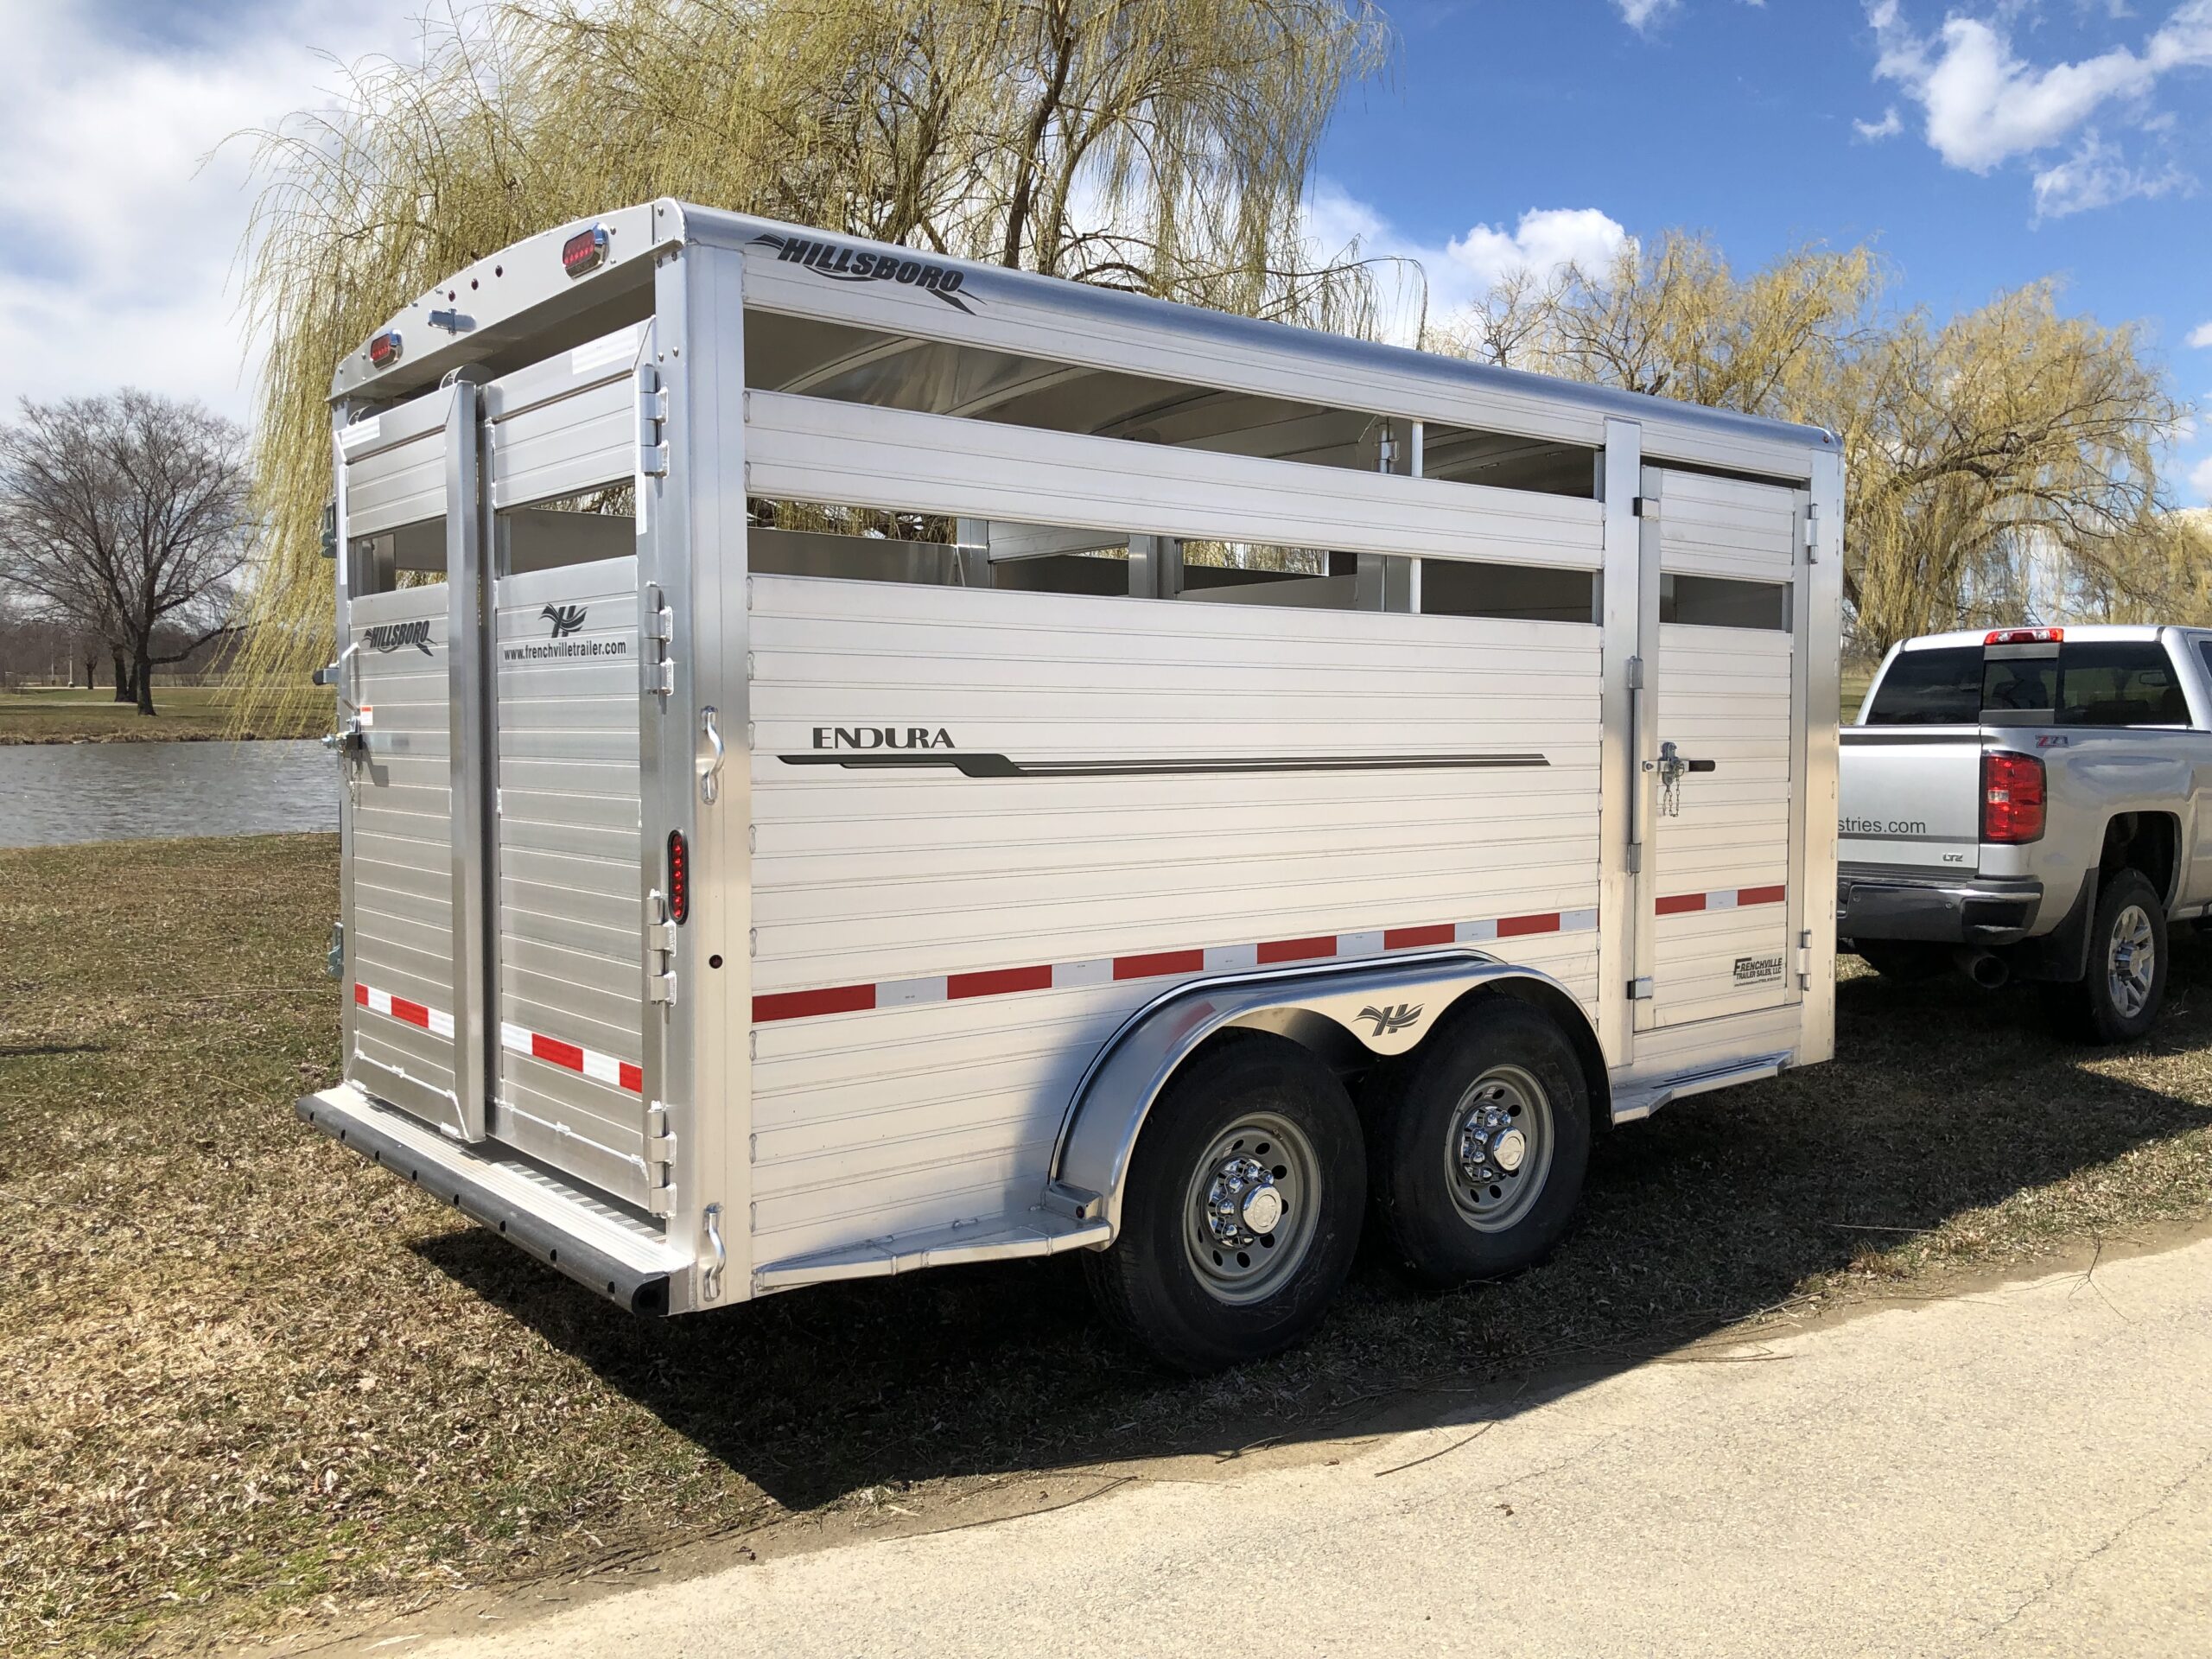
2011	796
585	250
679	877
385	348
2023	636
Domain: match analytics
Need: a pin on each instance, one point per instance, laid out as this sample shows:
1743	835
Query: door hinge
658	628
660	950
1636	673
652	424
1636	858
1639	990
1646	507
1805	962
660	1161
1812	533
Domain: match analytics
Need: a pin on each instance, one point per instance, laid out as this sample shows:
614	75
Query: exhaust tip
1986	971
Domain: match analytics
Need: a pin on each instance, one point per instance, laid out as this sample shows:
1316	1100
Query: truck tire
2124	987
1246	1194
1481	1138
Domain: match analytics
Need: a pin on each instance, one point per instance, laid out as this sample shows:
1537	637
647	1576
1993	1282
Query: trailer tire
2117	999
1456	1194
1201	1286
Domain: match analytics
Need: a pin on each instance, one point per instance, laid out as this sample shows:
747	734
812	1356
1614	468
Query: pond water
52	793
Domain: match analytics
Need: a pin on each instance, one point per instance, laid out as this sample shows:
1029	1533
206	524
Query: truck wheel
2120	994
1243	1207
1480	1144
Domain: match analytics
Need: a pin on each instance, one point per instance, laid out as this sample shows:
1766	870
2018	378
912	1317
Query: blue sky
1979	144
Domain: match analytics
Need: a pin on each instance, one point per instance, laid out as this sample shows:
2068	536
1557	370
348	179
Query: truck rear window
2088	683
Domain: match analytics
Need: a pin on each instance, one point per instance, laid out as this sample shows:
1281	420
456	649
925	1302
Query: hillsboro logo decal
566	620
842	265
393	636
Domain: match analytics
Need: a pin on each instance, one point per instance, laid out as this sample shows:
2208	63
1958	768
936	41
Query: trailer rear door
575	891
413	1028
1721	748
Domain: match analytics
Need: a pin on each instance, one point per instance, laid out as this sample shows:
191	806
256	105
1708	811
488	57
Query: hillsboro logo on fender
393	636
857	265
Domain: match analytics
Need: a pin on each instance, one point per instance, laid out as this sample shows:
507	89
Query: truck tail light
2011	796
2024	637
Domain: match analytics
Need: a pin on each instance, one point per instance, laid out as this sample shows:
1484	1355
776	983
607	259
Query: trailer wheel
1243	1207
2119	995
1481	1140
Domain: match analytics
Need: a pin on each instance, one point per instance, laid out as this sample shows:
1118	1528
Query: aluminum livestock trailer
855	761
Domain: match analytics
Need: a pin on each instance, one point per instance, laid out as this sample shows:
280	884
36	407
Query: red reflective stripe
1680	903
1160	963
1299	949
1406	938
548	1049
633	1079
999	981
361	994
798	1005
1513	926
1761	895
413	1013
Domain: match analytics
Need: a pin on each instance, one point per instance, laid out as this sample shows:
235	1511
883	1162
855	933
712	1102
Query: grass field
246	1378
72	715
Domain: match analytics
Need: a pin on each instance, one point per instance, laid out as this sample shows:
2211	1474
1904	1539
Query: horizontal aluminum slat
811	449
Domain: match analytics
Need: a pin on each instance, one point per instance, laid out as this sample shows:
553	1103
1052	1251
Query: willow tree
1161	146
2002	460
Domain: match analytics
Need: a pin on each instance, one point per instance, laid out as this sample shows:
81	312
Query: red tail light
679	877
2024	637
385	348
583	251
2011	796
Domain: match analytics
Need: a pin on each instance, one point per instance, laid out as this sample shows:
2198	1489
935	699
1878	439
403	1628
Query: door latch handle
710	768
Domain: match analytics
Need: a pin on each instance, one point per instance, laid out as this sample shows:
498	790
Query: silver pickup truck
2030	803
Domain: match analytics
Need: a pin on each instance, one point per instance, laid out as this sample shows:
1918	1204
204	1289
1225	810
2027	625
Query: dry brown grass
245	1378
184	713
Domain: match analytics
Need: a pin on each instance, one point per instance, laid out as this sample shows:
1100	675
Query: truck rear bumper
618	1256
1892	905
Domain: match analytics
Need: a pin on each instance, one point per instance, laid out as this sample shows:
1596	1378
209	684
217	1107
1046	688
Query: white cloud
1985	106
1543	242
1641	14
2200	335
1888	126
2200	479
2096	175
113	158
1462	273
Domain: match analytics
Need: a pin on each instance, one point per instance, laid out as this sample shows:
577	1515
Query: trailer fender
1385	1006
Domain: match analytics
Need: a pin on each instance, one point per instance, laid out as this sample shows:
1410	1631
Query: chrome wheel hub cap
1500	1149
1251	1212
2130	961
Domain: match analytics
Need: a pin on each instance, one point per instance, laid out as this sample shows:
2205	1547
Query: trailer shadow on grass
1951	1110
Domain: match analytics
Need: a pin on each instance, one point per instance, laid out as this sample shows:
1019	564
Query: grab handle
710	771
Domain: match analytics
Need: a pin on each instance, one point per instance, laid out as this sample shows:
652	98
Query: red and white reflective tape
434	1021
601	1068
1158	964
1684	904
